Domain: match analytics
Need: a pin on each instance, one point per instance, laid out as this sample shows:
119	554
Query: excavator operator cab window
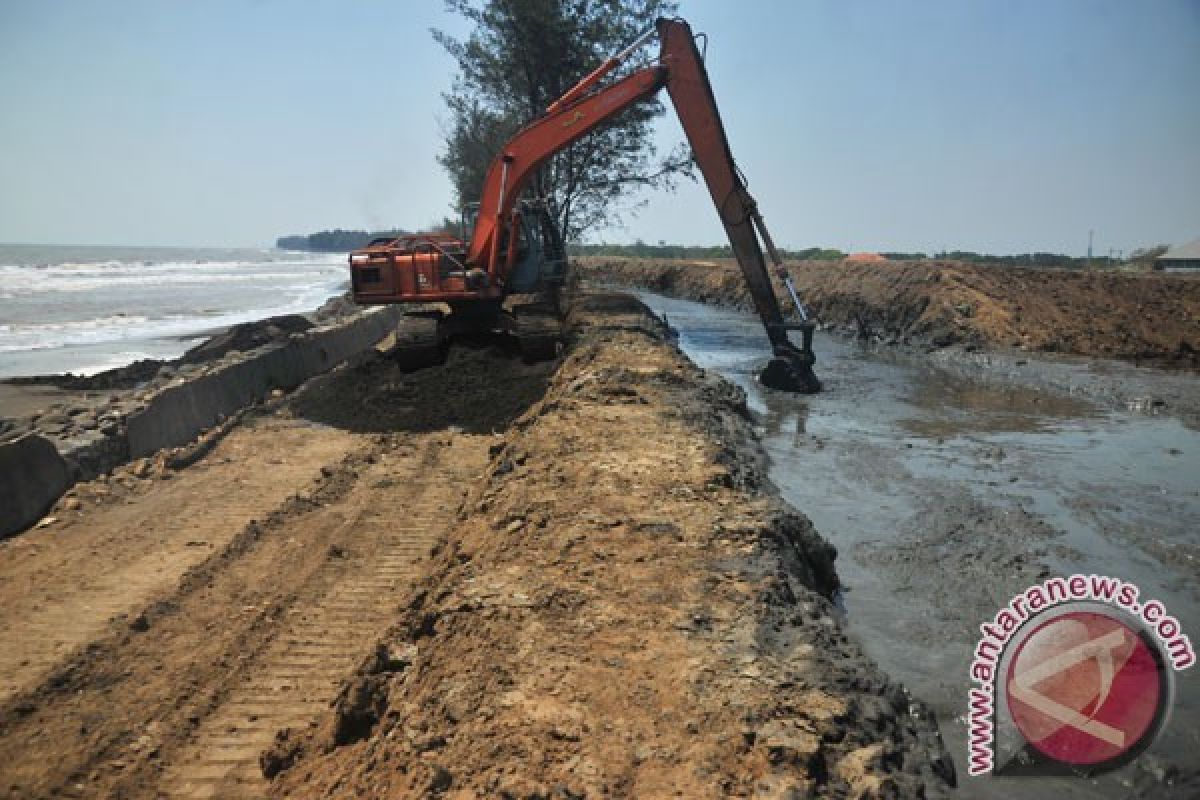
470	215
524	243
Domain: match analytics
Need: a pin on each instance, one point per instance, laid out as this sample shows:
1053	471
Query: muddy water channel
946	497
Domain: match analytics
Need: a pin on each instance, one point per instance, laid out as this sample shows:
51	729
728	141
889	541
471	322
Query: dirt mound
1148	318
379	396
624	610
866	258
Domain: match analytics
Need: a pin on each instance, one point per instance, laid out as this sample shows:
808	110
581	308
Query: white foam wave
93	277
111	362
125	328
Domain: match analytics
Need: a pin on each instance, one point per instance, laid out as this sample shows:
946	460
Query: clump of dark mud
378	395
966	558
125	377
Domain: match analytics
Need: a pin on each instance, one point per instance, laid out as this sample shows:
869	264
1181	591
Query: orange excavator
507	271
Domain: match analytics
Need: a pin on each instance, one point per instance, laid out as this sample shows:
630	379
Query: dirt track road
158	634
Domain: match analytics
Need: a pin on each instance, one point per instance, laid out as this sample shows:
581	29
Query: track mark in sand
331	625
60	587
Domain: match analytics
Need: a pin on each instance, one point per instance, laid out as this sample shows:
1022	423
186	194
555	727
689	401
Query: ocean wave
24	281
18	337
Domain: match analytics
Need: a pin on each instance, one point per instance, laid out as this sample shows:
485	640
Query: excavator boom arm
511	170
583	109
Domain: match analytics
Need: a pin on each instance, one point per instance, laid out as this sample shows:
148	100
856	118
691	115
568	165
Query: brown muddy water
946	496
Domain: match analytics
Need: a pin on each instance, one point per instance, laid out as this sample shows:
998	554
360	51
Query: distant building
1183	256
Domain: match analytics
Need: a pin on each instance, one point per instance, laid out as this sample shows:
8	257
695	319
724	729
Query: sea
84	309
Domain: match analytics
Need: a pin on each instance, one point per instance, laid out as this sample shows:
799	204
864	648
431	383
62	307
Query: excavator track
329	626
419	341
539	330
267	572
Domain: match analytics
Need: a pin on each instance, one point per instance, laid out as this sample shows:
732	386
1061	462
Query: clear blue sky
885	125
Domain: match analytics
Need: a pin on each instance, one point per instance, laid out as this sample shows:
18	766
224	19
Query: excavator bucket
791	368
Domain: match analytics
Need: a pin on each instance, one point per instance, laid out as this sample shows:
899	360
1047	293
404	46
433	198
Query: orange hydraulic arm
540	140
583	109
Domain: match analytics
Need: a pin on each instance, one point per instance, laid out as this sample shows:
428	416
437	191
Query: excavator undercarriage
423	335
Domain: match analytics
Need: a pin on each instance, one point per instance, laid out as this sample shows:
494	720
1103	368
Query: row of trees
640	249
335	241
1018	260
341	241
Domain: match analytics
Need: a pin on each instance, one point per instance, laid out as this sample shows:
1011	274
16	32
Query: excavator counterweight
506	272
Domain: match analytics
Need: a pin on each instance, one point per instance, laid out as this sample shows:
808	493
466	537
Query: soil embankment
564	577
624	609
1146	318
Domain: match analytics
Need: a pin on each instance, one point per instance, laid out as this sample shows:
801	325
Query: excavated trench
947	494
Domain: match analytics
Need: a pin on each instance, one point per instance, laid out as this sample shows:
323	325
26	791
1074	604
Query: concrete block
32	477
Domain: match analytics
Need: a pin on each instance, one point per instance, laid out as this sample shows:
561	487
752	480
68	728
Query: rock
281	755
441	780
246	336
72	504
787	744
358	708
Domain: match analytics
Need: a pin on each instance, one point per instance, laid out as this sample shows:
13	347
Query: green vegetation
335	241
640	249
1027	259
1144	256
520	56
340	241
663	250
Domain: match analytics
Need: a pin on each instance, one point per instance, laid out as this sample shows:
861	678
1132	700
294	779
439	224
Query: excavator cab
540	261
537	259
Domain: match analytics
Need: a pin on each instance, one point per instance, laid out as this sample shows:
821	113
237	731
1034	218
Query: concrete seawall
35	470
32	476
177	414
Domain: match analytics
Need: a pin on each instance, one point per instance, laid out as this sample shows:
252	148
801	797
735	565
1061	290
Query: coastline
78	427
23	396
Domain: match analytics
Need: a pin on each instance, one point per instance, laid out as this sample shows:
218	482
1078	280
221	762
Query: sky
999	127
